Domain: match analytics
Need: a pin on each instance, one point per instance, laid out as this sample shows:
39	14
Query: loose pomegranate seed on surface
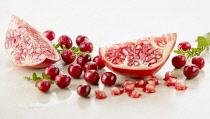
149	88
100	94
43	85
126	82
191	71
150	81
180	86
171	82
83	90
62	80
179	61
116	91
49	34
185	45
135	93
51	71
140	83
155	79
168	75
199	61
128	88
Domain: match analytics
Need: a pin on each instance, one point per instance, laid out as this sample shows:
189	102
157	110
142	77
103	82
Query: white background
105	22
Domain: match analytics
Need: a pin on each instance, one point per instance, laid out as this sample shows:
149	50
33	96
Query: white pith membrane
145	53
26	46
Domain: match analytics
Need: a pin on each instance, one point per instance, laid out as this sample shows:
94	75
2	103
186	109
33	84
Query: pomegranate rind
27	47
142	70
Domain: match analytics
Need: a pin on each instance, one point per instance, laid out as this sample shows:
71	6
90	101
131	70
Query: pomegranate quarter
139	58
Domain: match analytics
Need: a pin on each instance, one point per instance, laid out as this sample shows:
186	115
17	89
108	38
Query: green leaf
28	78
178	51
51	81
73	48
44	76
57	46
64	47
36	83
34	76
76	49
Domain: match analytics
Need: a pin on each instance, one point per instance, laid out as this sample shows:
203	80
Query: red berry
179	61
135	93
83	58
149	88
91	77
75	70
184	46
81	39
52	71
100	94
116	91
108	78
43	85
49	34
199	61
97	59
180	86
68	56
65	40
84	90
191	71
86	46
62	80
140	83
90	66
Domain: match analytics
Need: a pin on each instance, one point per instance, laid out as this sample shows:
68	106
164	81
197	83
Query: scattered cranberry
191	71
68	56
62	80
43	85
49	34
149	88
97	59
83	58
65	40
84	90
116	91
52	71
91	77
199	61
135	93
179	61
100	94
90	66
108	78
75	70
140	83
81	39
184	46
180	86
171	81
86	46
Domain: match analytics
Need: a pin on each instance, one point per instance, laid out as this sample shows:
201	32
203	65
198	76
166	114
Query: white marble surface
105	22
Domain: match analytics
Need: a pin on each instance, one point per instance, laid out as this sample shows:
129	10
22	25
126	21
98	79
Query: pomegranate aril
97	59
116	91
91	77
75	70
199	61
108	78
62	80
90	66
51	71
135	93
185	45
140	83
68	56
155	79
81	39
149	88
49	34
169	74
83	90
179	61
150	81
180	86
191	71
127	82
100	94
65	40
43	85
171	82
86	46
128	88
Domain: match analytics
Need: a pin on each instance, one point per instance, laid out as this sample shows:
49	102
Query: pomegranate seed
43	85
191	71
86	46
127	82
100	94
199	61
65	40
155	79
184	46
169	74
90	66
150	81
68	56
135	93
140	83
116	91
75	70
149	88
91	77
180	86
97	59
108	78
83	58
51	71
62	80
171	82
49	34
81	39
179	61
128	88
84	90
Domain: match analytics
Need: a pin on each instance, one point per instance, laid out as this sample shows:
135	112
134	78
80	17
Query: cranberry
49	34
140	83
180	86
65	40
116	91
191	71
90	66
135	93
179	61
52	71
81	39
100	94
91	77
199	61
86	46
149	88
83	58
84	90
43	85
184	46
97	59
68	56
108	78
62	80
75	70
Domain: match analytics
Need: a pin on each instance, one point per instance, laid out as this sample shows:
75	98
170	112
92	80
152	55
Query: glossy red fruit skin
86	46
100	94
68	56
62	80
180	86
83	90
108	78
43	85
97	59
83	58
116	91
199	61
49	34
90	66
179	61
135	93
91	77
140	83
52	71
65	40
191	71
81	39
184	46
75	70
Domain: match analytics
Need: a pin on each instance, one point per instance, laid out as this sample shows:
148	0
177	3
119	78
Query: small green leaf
34	76
76	49
57	46
73	48
64	47
36	83
178	51
51	81
44	76
28	78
